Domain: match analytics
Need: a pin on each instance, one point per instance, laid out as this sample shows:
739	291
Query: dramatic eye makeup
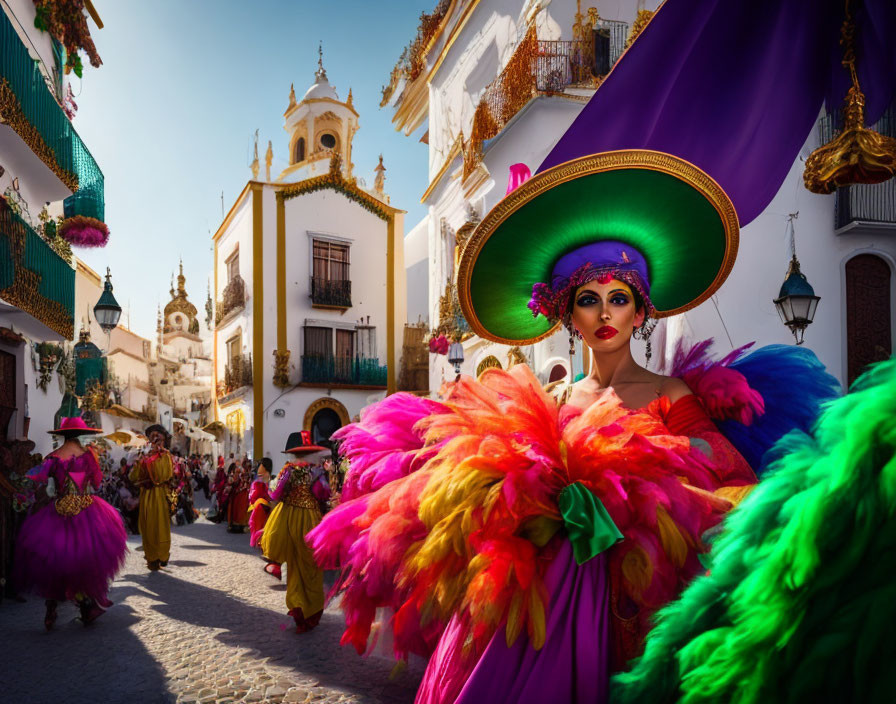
619	297
586	298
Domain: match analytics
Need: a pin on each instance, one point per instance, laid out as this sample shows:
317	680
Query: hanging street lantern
107	310
796	302
456	355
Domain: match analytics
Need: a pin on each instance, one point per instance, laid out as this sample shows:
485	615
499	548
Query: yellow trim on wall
258	319
236	204
281	274
391	376
215	344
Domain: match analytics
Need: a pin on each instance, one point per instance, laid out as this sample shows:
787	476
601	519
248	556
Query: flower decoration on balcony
48	356
413	58
438	344
84	231
50	234
66	21
281	368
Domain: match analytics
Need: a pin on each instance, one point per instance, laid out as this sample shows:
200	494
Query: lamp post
796	302
107	310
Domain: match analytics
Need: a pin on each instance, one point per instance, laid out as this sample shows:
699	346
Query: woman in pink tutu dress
72	547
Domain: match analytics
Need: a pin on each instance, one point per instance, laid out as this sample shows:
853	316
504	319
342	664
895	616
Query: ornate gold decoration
300	496
325	402
350	100
379	181
490	362
292	97
24	293
268	158
641	21
234	298
857	154
503	98
515	356
11	112
255	164
281	368
334	180
180	304
576	168
72	504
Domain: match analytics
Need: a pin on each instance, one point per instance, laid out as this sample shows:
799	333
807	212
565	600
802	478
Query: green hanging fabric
588	524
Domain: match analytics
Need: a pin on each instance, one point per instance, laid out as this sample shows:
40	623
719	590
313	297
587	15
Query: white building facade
309	287
491	83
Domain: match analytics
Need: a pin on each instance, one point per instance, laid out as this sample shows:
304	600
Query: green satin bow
590	528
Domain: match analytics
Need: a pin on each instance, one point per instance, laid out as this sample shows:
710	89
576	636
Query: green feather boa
800	602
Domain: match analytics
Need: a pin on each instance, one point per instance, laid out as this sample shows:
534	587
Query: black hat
300	443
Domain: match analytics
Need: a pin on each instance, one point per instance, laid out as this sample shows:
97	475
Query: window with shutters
330	282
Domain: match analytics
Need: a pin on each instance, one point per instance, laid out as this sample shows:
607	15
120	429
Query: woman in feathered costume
523	545
71	548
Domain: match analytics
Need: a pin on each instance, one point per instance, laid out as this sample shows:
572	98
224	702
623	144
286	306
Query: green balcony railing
33	277
321	369
28	106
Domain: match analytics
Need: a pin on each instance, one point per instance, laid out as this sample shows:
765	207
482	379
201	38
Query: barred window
331	261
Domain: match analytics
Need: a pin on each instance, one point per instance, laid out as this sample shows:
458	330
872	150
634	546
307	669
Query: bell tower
319	126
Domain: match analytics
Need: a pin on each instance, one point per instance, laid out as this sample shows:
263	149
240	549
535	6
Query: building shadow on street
104	662
271	635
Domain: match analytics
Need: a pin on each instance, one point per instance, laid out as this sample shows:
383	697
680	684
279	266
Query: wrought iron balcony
866	207
325	369
33	277
237	374
326	292
29	107
234	298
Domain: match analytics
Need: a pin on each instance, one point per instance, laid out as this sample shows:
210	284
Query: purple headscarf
602	261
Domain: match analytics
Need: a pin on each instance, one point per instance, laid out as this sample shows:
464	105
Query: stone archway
321	414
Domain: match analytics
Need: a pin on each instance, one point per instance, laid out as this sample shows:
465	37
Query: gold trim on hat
585	166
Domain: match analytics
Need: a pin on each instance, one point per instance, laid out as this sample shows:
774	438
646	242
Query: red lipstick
606	332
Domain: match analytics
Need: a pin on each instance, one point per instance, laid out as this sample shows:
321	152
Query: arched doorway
324	424
324	417
869	331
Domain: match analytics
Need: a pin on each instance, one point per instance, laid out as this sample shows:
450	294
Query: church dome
321	89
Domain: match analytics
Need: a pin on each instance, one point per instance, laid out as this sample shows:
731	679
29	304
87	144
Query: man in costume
72	547
152	472
300	488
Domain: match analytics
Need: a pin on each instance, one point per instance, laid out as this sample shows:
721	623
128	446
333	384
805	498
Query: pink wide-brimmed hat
74	426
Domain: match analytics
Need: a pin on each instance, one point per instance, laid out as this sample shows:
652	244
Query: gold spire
292	94
380	180
349	101
320	74
255	165
181	279
268	158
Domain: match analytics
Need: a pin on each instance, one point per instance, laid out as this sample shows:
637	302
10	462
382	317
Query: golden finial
349	101
268	158
292	94
380	180
255	165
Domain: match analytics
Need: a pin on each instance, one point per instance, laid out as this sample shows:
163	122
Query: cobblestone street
211	627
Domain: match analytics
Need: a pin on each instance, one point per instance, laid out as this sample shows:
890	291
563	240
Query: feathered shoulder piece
755	398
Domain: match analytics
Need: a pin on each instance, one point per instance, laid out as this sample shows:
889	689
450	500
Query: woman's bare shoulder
672	387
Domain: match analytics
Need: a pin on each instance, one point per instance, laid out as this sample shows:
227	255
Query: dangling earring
572	346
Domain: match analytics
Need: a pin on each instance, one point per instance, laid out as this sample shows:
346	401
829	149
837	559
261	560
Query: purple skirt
572	667
58	557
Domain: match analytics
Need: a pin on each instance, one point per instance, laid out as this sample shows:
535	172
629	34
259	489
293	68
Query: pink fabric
59	556
519	174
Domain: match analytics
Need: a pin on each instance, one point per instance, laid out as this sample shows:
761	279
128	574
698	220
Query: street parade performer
237	493
521	544
71	548
152	472
301	488
260	508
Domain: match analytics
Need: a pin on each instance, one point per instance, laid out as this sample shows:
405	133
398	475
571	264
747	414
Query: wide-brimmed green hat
666	208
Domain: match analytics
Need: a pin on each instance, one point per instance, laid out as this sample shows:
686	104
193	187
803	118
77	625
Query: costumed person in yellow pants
300	488
151	473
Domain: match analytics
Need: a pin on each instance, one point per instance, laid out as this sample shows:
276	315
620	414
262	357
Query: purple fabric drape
734	87
572	667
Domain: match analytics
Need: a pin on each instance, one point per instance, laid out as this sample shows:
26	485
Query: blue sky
170	117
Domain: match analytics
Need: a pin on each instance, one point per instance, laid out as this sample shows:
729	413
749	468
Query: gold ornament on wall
281	368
